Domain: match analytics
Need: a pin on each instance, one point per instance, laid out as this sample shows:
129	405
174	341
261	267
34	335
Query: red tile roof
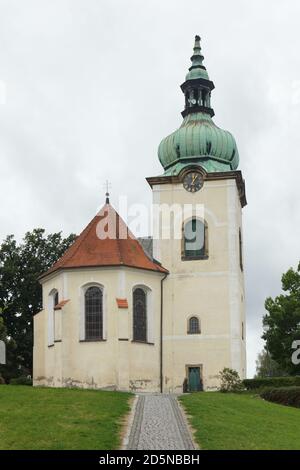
106	241
122	303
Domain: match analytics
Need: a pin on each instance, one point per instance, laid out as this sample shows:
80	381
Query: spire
197	69
197	57
197	86
198	141
107	184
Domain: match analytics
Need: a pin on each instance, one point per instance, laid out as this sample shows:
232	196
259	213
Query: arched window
193	326
93	299
139	315
53	301
195	239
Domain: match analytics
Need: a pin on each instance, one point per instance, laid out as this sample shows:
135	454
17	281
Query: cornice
214	176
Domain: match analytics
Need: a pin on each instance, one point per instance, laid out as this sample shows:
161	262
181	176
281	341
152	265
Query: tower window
193	326
197	95
139	315
195	240
93	314
241	249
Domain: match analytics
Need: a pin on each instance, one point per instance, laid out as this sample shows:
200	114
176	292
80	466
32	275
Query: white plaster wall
210	289
117	362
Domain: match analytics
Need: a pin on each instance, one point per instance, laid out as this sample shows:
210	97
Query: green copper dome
198	140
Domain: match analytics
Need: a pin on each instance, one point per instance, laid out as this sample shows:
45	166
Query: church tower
200	195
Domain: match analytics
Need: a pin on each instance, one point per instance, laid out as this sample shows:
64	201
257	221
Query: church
164	313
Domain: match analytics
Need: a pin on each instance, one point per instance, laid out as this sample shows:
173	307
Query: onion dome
198	141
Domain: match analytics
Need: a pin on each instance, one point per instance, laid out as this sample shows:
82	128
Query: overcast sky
88	88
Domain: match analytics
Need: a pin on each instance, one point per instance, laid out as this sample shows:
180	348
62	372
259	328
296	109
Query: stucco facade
116	362
211	289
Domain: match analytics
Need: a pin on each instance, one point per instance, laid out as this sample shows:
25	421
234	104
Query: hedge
22	380
273	382
289	396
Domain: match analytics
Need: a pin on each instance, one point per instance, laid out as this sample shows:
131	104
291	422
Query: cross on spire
107	185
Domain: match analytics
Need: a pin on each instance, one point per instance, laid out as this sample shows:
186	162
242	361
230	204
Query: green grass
241	421
52	418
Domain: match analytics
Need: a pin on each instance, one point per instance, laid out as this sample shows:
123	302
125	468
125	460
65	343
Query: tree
230	381
8	370
282	322
5	370
20	292
266	366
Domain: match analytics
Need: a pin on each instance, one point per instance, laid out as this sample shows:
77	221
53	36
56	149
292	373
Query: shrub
22	380
273	382
289	396
230	381
2	381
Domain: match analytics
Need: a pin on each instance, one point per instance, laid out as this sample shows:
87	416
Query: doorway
194	379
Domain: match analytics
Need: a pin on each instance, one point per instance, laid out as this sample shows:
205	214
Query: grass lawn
241	421
53	418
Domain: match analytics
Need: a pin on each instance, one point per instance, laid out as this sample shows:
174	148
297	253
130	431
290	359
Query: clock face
193	181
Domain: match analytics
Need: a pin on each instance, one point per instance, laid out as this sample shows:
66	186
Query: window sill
194	333
94	340
193	258
142	342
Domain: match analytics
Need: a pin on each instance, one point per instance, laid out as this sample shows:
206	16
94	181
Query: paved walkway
159	424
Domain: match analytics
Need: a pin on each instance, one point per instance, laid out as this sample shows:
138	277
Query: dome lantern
197	86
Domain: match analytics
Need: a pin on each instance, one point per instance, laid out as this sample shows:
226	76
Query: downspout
161	332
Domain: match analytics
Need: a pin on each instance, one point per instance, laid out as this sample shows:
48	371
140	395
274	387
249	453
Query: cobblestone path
158	424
